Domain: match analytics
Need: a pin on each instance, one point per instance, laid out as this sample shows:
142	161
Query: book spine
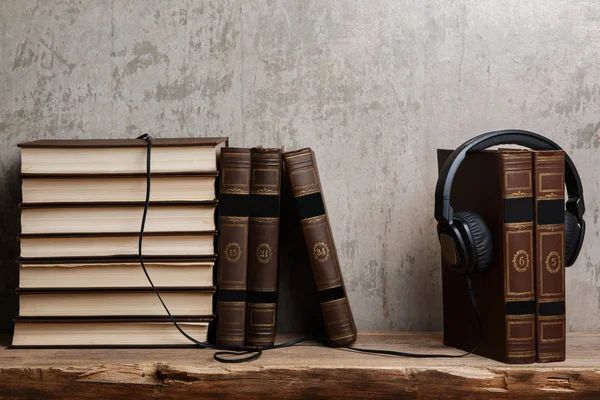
306	188
263	247
232	262
517	241
549	181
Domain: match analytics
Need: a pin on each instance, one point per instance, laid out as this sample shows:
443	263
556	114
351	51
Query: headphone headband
443	209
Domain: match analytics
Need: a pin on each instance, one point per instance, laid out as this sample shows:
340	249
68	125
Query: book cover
549	178
121	156
232	262
263	247
111	332
306	188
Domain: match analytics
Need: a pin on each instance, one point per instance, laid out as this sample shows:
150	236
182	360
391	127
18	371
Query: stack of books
81	282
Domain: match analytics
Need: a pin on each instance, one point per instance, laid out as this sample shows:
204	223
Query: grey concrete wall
373	86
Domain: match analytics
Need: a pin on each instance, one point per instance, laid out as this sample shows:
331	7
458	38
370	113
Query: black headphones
465	238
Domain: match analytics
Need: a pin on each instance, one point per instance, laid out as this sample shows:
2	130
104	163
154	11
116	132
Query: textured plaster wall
373	86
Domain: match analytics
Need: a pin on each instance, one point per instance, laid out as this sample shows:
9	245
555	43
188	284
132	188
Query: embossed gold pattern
519	225
520	172
550	190
521	261
233	252
305	192
313	220
234	220
553	262
549	227
320	251
511	324
519	193
263	220
263	253
263	190
509	236
310	171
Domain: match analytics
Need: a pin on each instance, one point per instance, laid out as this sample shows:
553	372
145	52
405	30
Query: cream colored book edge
87	275
117	219
118	160
105	246
106	334
113	304
95	190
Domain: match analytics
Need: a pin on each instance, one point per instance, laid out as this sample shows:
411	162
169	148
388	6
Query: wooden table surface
304	371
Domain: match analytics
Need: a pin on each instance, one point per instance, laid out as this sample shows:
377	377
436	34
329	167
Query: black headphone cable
420	355
251	353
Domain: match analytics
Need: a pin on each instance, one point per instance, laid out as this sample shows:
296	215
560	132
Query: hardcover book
263	247
119	156
497	185
107	332
87	245
76	218
549	178
81	282
306	188
114	272
119	301
117	188
232	263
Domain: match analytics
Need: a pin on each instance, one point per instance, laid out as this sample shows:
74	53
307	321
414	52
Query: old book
306	187
117	188
98	273
85	302
191	244
497	185
263	247
549	179
119	156
117	218
107	332
232	263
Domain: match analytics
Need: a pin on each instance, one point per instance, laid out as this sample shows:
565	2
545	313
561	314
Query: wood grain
304	371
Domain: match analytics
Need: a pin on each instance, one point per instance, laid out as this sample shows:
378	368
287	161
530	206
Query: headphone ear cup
572	232
482	239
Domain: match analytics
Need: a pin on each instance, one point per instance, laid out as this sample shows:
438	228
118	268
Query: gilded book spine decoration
233	247
517	235
263	247
306	188
550	245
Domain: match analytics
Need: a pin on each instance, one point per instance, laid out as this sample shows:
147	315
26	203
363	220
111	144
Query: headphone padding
571	236
482	238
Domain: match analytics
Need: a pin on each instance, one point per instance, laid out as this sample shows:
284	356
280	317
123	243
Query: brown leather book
263	247
303	174
497	185
232	263
549	179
